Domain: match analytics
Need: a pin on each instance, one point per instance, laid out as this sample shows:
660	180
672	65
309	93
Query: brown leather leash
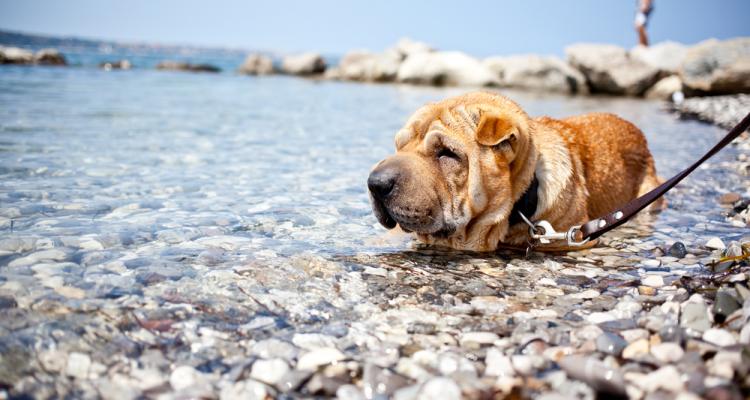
579	235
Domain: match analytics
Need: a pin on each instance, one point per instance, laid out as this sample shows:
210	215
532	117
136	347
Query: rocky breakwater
16	55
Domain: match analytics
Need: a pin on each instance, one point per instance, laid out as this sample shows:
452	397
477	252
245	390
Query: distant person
641	19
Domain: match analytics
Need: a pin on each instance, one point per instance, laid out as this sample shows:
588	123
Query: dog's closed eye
447	153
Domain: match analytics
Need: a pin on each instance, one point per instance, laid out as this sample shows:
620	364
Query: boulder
49	57
664	56
184	66
256	64
451	68
665	88
369	67
537	73
119	64
303	64
406	47
15	55
609	69
718	67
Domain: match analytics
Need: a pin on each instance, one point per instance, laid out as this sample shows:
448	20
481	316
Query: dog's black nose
382	181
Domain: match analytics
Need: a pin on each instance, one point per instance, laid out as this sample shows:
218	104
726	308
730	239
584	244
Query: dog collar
526	204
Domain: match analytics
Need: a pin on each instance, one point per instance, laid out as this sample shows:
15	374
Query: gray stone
369	67
594	373
667	56
718	67
256	64
610	343
187	67
537	73
608	69
303	64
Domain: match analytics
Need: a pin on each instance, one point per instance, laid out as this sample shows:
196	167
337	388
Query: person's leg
642	36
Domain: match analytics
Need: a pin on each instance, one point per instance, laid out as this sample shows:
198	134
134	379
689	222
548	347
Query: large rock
718	67
665	88
665	56
538	73
445	68
184	66
49	57
304	64
369	67
256	64
406	47
15	55
609	69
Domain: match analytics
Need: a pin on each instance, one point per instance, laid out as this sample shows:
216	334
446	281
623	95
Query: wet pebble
610	343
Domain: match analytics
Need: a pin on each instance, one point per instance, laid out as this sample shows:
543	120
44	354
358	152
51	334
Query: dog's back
618	166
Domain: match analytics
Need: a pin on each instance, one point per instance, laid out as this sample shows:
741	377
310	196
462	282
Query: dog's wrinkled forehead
460	119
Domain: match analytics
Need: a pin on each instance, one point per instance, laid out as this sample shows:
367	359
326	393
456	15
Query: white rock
667	352
439	389
651	263
478	338
184	377
655	281
450	68
303	64
667	378
599	317
269	371
349	392
586	294
719	337
311	341
244	390
498	364
665	88
319	357
715	243
78	365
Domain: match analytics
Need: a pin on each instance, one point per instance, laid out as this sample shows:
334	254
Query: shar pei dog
465	169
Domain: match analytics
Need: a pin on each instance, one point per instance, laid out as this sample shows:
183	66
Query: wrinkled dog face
450	179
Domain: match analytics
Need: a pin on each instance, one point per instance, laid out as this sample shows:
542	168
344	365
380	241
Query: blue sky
481	28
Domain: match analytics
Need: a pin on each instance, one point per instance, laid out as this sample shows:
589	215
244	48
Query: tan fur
586	166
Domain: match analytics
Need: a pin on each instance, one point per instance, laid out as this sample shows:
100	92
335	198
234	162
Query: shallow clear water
199	214
143	155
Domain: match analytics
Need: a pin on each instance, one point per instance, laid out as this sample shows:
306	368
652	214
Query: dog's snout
382	181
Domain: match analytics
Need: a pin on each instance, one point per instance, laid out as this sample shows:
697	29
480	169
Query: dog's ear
496	130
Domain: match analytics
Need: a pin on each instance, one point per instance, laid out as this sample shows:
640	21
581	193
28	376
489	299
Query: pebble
655	281
715	243
585	294
594	373
498	364
719	337
610	343
667	352
439	389
678	250
269	371
244	390
694	317
636	350
78	365
729	198
319	357
724	305
477	339
184	377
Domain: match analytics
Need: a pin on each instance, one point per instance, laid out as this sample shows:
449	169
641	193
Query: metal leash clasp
543	232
